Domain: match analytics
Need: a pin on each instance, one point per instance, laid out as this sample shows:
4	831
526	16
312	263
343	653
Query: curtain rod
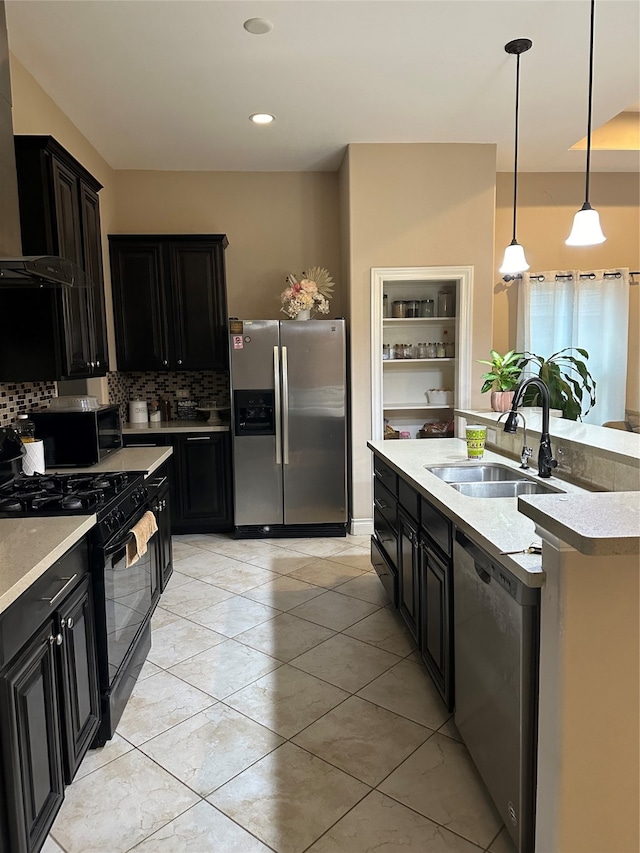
589	275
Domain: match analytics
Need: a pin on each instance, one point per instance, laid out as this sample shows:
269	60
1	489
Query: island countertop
495	524
29	546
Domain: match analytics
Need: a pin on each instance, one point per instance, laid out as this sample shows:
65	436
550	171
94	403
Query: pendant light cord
515	157
589	109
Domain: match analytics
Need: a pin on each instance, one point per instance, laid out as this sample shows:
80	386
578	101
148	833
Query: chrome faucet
526	452
546	462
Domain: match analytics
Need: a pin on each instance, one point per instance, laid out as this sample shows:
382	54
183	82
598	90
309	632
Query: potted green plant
503	377
570	384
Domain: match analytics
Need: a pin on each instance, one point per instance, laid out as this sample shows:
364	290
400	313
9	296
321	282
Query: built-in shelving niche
399	386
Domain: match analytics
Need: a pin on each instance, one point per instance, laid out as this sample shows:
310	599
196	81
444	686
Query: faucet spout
546	462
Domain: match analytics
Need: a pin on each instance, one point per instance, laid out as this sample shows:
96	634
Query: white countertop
495	524
614	444
597	524
29	546
174	426
130	459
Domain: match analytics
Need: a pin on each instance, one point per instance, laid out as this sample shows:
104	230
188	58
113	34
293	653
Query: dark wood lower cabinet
436	628
203	482
408	573
200	478
49	709
78	678
32	747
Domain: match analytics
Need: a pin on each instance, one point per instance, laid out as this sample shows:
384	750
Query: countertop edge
173	427
596	545
84	524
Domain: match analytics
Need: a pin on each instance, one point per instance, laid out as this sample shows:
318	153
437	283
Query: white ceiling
169	84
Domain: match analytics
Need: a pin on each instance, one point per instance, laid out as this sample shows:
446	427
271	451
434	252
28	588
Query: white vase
305	314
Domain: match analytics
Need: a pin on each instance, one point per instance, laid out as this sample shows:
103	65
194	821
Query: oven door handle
120	542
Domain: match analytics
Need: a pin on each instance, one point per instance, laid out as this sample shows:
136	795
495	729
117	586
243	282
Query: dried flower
312	292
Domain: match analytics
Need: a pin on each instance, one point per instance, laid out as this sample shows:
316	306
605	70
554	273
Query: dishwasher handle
483	574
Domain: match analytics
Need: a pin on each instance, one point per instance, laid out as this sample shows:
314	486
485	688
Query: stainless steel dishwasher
496	635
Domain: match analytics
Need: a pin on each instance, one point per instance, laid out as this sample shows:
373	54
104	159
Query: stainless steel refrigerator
289	427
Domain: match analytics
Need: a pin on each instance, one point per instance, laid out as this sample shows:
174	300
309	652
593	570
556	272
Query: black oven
125	599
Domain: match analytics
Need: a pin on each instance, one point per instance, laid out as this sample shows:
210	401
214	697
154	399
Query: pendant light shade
514	259
586	229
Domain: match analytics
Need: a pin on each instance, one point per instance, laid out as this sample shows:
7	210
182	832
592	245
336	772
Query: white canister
138	412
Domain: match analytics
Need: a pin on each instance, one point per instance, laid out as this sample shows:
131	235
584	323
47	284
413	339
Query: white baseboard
361	527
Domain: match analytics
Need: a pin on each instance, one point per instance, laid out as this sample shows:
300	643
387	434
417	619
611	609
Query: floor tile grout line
415	811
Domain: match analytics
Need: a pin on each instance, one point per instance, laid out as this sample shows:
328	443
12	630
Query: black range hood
42	271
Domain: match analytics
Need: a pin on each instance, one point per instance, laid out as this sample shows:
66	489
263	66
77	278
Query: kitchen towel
142	533
33	459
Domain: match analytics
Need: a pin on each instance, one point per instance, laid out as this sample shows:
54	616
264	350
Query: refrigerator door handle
277	401
285	406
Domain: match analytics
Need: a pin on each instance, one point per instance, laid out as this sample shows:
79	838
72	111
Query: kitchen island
587	748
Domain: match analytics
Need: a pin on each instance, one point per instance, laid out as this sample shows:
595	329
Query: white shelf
407	362
409	407
392	321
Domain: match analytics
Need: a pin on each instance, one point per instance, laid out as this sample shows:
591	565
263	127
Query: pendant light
514	259
586	229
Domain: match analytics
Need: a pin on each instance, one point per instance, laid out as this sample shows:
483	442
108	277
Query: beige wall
276	222
547	203
413	205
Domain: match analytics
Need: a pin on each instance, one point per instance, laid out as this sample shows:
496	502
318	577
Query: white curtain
590	310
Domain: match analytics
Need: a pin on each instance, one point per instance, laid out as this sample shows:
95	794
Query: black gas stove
114	497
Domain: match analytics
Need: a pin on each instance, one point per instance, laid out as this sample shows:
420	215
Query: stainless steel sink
504	489
475	473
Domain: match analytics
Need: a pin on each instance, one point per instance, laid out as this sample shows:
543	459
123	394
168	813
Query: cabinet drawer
37	603
386	572
387	537
386	475
146	440
409	500
437	527
385	504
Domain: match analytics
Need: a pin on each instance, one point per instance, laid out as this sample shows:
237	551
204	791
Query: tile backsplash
151	385
18	398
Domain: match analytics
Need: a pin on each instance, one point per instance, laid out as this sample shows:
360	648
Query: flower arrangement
310	293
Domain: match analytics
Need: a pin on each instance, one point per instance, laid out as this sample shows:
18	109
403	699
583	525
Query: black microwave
78	438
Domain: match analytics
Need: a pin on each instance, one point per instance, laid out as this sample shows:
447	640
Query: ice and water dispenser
254	412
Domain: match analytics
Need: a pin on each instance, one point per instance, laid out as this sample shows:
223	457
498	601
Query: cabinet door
30	724
408	558
92	254
137	279
166	567
436	634
79	677
198	301
203	487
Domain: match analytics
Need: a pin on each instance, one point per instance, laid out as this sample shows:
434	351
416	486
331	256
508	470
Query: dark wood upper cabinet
63	332
170	301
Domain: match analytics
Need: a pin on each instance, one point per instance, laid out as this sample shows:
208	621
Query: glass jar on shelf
400	308
413	307
446	303
408	350
399	350
423	350
440	350
385	352
431	350
427	308
385	306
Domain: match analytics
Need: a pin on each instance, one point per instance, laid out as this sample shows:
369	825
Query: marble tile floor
282	708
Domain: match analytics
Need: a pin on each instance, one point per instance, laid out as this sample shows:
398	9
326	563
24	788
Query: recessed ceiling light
262	118
258	26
